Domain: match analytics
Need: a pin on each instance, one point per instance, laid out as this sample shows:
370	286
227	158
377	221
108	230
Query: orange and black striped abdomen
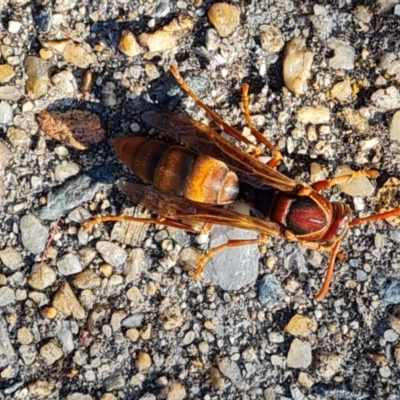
177	170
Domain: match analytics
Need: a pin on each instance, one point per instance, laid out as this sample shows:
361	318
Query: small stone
24	335
134	295
224	17
151	71
168	36
9	93
395	126
42	277
300	325
7	296
231	370
297	66
6	73
33	234
391	336
78	396
314	115
344	56
18	137
354	119
135	264
28	353
116	320
363	14
188	338
42	18
76	128
360	186
276	337
51	352
386	99
330	365
66	302
40	389
133	321
111	253
11	258
128	44
143	361
79	54
132	334
69	265
176	392
217	381
385	372
342	91
300	355
65	170
14	26
6	114
270	291
87	279
271	39
305	379
108	396
65	82
38	78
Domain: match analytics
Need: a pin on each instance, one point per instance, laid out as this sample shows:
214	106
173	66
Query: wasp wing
175	207
203	139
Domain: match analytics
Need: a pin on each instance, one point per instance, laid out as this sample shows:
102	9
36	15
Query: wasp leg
229	243
277	156
227	128
374	217
338	180
159	220
329	272
50	239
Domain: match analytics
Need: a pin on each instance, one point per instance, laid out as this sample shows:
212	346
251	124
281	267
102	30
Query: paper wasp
192	183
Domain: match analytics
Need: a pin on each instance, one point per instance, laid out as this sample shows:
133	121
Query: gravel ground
112	313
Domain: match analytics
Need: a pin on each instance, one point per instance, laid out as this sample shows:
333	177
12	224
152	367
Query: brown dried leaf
74	127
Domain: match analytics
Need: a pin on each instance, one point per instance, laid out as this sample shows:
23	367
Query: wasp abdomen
177	170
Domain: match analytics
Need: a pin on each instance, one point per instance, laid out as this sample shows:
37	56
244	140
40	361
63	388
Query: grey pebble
114	382
270	291
69	265
33	234
6	114
7	296
232	371
300	355
133	321
28	353
6	349
390	292
111	253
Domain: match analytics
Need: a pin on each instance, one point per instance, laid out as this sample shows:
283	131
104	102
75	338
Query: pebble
297	66
14	26
270	291
224	17
42	277
65	170
69	265
128	44
87	279
28	353
65	82
132	334
79	396
300	325
299	355
11	258
66	302
342	91
386	99
354	119
111	253
391	336
77	190
51	352
394	131
271	39
18	138
65	336
38	78
235	267
7	296
363	14
167	37
135	264
276	337
33	234
176	391
134	295
76	128
42	18
9	93
41	388
133	321
314	115
108	396
360	186
24	335
344	55
6	73
143	361
6	114
385	372
188	338
231	370
331	364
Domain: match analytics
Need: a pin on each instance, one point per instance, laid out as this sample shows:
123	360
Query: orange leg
227	128
229	243
159	220
329	273
343	179
277	156
50	239
374	217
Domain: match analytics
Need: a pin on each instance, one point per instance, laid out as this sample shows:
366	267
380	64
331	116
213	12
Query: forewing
203	139
175	207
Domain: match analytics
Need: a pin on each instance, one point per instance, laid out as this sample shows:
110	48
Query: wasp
195	183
